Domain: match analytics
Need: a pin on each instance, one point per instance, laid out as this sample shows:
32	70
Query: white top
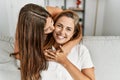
79	56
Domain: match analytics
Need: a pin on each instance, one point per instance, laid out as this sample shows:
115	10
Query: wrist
66	63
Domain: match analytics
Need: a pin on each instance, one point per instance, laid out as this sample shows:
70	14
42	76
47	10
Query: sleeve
85	59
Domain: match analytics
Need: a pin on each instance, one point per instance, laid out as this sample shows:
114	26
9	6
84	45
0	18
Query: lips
61	37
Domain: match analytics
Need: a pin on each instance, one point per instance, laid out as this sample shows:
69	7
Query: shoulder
81	47
80	50
85	60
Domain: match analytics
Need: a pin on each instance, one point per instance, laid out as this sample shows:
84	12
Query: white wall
107	15
94	17
13	6
4	26
111	24
90	16
10	10
99	18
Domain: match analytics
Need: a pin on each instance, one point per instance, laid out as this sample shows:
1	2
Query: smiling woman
77	64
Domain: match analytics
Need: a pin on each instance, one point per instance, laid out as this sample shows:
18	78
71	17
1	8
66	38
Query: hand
49	54
57	56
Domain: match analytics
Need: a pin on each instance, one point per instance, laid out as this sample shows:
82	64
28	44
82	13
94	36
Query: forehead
66	21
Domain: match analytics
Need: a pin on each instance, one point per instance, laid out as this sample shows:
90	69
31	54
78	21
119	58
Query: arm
16	50
76	74
86	74
16	46
68	46
53	10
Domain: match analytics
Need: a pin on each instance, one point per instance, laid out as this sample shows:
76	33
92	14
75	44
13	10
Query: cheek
54	33
56	30
70	35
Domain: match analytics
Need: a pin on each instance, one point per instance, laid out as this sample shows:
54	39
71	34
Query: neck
56	46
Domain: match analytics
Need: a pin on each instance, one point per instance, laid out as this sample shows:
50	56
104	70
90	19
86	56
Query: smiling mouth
60	37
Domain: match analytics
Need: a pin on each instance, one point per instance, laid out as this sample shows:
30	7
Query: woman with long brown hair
30	39
33	23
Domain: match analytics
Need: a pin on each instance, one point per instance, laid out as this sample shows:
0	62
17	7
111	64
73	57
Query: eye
59	26
69	29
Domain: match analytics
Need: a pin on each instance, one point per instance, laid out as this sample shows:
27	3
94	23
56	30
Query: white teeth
61	37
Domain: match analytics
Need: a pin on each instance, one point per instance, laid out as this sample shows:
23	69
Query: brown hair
77	32
30	39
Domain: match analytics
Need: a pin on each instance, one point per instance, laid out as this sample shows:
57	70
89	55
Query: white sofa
105	53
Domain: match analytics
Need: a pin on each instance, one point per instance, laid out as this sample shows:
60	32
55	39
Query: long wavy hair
30	40
77	31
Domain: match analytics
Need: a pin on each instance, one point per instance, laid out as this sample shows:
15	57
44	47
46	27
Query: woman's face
49	26
64	30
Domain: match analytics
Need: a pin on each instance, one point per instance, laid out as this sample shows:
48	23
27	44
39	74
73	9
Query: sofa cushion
105	53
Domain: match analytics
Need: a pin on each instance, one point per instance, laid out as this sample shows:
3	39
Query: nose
62	31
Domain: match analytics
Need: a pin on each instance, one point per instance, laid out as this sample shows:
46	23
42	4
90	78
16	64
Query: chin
60	42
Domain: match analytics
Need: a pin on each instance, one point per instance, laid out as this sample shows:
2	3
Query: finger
49	56
61	48
50	53
57	52
50	59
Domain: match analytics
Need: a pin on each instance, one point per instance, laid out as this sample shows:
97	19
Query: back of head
30	35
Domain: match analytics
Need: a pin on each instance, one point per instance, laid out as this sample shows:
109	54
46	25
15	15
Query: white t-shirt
79	56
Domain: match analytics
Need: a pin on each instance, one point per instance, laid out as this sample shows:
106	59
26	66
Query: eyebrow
66	26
